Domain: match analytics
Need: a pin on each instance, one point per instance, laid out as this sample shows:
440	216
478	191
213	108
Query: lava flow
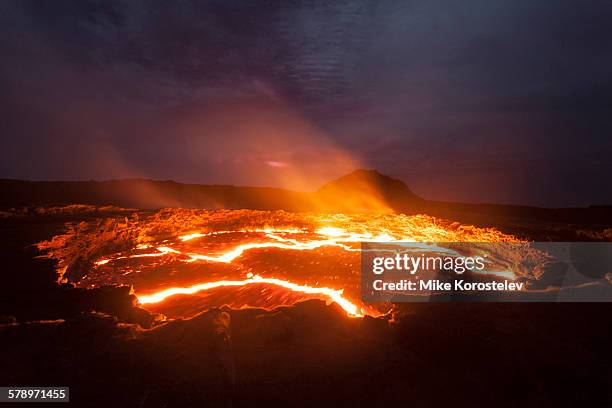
334	295
266	259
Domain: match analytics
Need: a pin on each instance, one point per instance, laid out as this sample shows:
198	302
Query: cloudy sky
480	101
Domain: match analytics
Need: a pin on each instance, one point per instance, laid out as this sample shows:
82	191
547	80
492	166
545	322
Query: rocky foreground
308	354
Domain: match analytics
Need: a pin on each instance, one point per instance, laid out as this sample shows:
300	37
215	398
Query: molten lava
199	252
334	295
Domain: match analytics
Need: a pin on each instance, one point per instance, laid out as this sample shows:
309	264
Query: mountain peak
362	175
362	188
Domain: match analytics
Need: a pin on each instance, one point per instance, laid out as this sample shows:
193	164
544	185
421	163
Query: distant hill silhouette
359	191
368	189
145	194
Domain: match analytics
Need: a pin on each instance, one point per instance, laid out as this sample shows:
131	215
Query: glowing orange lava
332	294
176	243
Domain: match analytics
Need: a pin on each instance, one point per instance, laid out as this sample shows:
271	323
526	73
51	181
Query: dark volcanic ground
111	352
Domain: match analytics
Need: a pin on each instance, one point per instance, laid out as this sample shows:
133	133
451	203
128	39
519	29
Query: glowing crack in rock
336	237
283	243
189	237
333	294
163	250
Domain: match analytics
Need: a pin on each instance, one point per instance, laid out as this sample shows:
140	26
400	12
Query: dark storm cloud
480	101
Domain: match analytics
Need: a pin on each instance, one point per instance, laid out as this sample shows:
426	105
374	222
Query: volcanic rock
368	191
